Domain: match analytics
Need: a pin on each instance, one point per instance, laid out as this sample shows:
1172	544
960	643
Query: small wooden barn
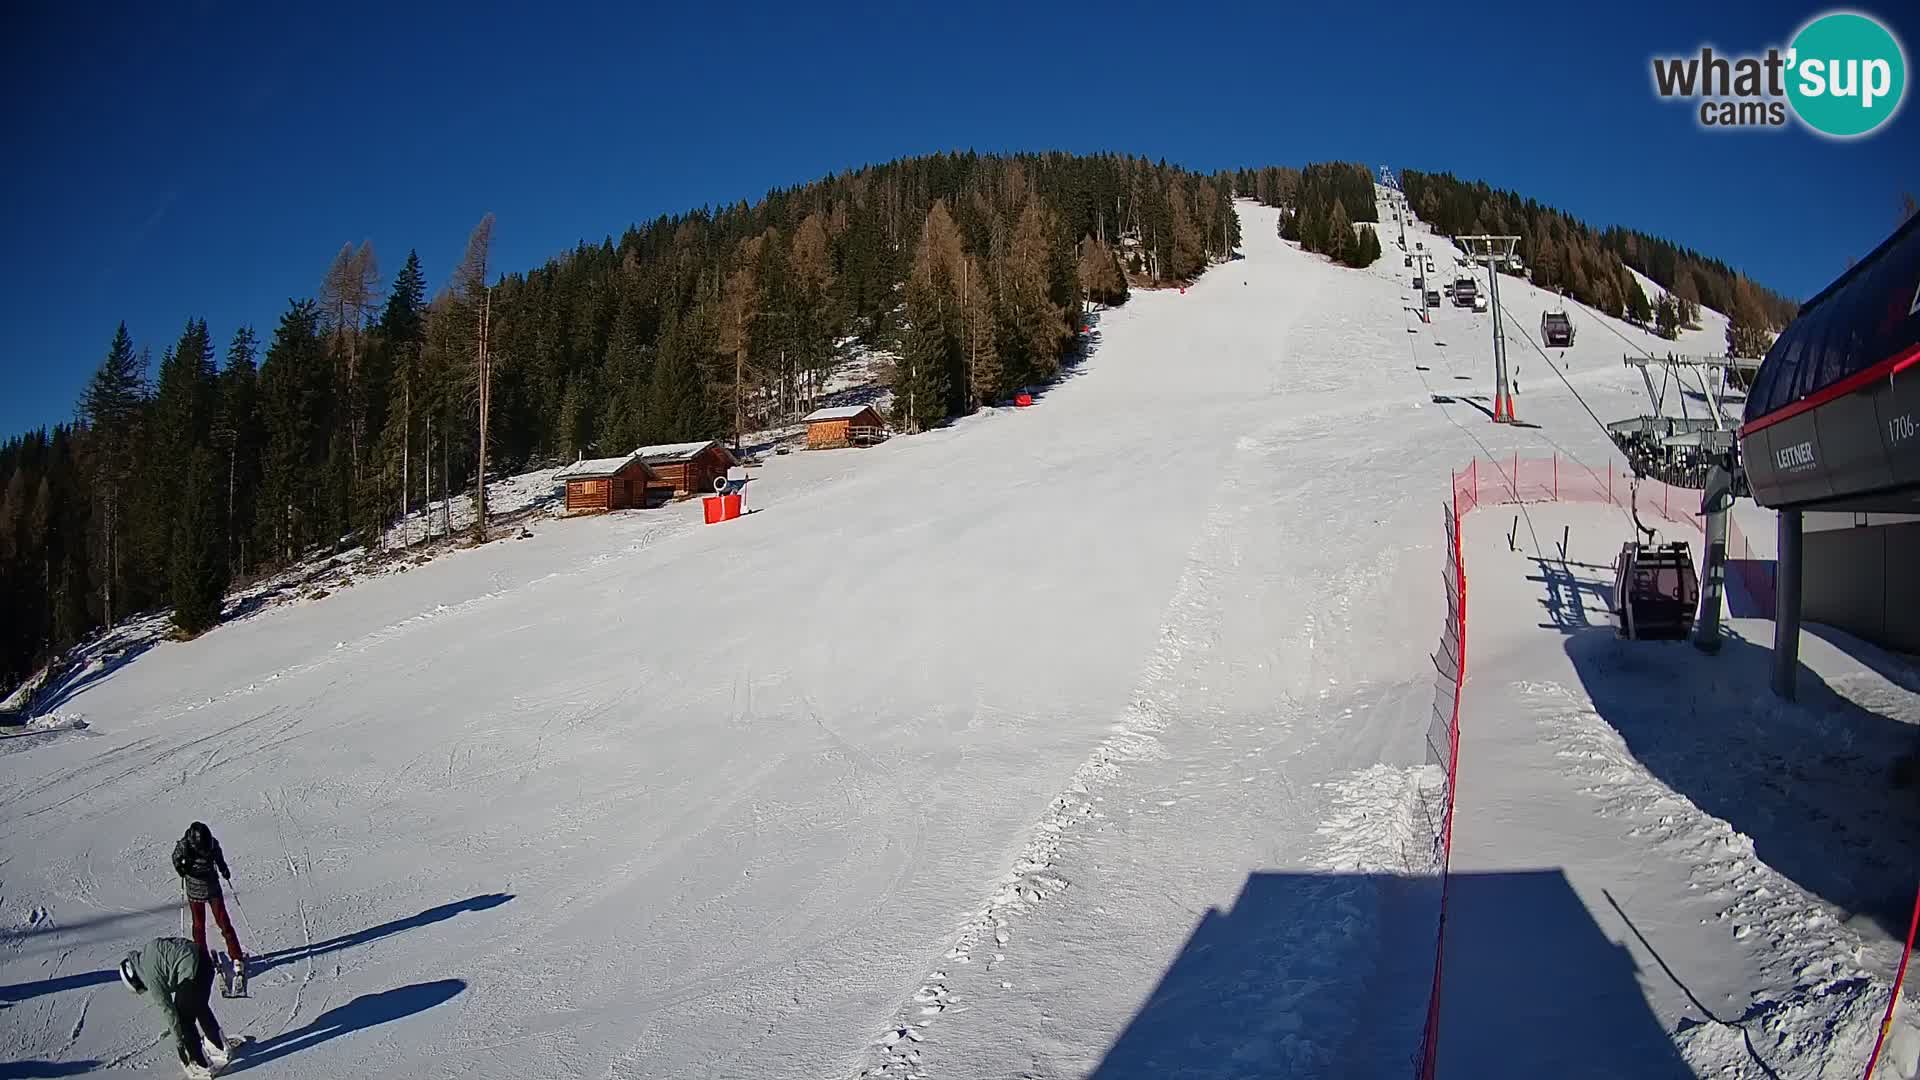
686	468
605	484
847	425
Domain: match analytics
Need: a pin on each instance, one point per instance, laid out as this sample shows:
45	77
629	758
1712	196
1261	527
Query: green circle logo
1846	74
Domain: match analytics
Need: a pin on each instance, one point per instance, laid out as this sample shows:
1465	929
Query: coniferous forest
212	457
238	451
1590	264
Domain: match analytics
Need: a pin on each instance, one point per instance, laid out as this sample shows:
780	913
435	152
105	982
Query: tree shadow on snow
1810	782
1296	981
84	677
268	961
365	1011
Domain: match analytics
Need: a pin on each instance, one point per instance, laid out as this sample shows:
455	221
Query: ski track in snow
1134	738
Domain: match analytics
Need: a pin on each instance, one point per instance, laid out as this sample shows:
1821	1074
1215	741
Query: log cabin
686	468
604	484
848	425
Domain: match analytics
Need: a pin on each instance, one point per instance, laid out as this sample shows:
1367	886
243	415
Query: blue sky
170	161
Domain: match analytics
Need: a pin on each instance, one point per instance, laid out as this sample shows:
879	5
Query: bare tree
471	292
347	295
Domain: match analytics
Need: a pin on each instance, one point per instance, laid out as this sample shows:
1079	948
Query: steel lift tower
1495	251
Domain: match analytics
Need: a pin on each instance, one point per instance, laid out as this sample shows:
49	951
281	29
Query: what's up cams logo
1844	75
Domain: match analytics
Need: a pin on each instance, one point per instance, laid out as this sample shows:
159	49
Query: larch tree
474	300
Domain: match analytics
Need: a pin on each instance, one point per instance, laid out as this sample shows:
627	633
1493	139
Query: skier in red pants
197	858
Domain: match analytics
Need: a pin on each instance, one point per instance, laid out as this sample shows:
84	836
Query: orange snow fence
1898	979
1443	750
1507	481
716	510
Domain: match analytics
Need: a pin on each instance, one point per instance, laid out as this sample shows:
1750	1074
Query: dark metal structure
1833	424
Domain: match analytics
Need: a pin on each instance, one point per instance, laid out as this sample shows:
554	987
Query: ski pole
241	908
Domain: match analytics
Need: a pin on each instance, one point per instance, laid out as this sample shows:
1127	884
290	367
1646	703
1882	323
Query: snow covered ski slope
940	762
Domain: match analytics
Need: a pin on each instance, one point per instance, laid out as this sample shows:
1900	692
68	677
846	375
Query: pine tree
400	338
1365	248
1188	245
199	561
985	377
183	410
1639	311
930	353
294	385
240	435
1339	237
814	315
629	375
1666	317
112	408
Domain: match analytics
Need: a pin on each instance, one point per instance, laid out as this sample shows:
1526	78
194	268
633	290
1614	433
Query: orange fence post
1898	978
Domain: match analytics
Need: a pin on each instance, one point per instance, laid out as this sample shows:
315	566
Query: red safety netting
1443	751
1516	479
1488	482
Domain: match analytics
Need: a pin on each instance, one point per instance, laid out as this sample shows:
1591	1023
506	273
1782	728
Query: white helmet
131	977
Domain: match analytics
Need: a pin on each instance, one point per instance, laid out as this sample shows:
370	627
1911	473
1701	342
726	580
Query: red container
715	510
729	507
1023	399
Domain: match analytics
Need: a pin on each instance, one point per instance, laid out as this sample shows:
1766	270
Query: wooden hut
686	468
603	484
848	425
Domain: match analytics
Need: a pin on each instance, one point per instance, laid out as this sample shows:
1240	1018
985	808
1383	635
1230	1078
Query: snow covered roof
668	453
843	412
595	468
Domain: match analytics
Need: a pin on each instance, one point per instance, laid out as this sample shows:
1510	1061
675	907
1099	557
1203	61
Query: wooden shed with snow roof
848	425
603	484
686	468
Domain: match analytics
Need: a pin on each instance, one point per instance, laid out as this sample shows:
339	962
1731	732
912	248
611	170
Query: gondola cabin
1655	591
1556	330
847	425
688	468
603	484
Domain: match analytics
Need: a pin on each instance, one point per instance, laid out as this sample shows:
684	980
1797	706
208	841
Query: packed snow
1082	739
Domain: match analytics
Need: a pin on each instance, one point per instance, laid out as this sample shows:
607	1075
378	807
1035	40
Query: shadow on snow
1810	782
365	1011
267	961
1286	984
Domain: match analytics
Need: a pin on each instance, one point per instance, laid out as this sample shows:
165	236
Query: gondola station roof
1833	418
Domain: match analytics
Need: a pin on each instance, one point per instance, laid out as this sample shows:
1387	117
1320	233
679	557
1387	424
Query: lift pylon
1495	251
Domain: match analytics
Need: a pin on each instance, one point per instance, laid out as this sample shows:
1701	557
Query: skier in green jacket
178	976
